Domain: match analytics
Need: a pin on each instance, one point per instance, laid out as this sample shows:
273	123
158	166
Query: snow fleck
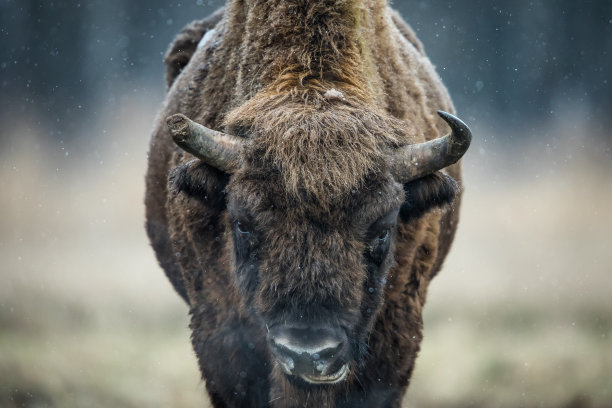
206	38
334	94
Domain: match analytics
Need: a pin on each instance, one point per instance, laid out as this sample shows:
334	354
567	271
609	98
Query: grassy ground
521	315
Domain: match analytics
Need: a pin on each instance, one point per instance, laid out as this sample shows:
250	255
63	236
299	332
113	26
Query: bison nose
311	353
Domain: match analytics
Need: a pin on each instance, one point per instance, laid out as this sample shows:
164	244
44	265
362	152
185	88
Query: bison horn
418	160
214	148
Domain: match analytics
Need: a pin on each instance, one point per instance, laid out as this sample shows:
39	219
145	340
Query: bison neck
290	44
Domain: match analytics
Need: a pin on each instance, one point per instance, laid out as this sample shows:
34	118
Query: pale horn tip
178	125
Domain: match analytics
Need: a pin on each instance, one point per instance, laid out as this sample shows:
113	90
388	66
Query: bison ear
200	181
182	49
185	44
426	193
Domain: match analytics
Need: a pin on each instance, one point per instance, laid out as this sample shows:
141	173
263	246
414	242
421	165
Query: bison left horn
417	160
217	149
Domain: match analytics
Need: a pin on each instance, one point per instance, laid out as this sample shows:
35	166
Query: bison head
313	202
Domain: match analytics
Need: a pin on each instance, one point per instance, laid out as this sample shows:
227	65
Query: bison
301	194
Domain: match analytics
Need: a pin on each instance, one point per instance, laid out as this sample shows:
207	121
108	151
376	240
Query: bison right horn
417	160
217	149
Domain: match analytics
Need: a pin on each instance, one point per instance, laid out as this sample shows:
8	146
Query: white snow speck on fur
334	94
206	38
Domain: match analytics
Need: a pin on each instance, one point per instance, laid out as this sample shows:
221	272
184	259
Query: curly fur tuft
320	149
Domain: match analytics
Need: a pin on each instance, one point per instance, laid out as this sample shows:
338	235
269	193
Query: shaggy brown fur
315	179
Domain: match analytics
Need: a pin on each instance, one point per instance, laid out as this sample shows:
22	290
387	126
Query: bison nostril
287	364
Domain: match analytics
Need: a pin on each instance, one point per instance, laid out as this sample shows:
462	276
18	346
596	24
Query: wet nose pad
303	351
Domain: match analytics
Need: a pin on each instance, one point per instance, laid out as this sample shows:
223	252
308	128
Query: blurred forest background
521	315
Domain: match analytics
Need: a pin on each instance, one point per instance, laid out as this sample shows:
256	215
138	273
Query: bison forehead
263	197
320	150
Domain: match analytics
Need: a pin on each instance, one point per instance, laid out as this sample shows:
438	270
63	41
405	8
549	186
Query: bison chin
289	391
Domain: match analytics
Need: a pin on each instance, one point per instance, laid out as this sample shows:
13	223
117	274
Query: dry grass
520	316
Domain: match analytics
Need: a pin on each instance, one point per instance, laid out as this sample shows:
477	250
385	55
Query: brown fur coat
263	70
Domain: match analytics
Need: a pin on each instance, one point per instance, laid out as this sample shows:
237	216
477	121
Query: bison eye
378	247
244	240
384	235
242	228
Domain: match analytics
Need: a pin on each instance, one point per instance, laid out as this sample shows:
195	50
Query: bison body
303	252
